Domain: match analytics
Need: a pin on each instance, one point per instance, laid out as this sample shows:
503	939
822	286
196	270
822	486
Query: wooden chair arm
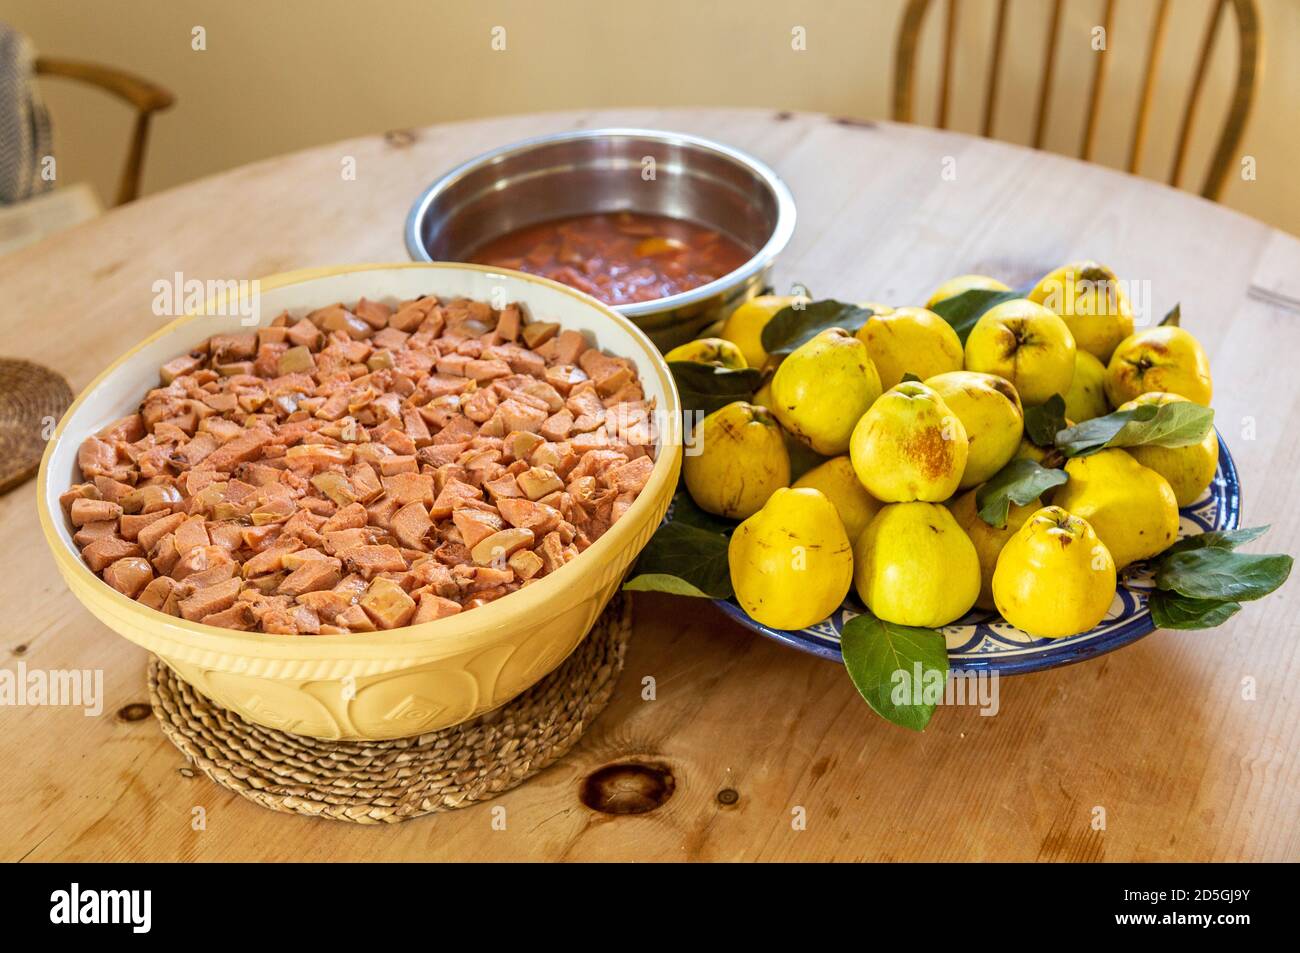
145	96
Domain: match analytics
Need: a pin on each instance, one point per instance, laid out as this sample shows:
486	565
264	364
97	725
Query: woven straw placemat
30	397
376	782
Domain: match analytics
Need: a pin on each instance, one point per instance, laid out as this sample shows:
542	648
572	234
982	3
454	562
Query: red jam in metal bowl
618	258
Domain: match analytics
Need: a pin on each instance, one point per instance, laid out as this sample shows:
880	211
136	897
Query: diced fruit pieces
388	604
361	468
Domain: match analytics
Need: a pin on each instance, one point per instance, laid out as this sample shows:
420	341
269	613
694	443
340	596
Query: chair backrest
146	97
1249	65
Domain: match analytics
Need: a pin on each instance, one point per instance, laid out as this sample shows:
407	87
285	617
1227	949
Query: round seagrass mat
378	782
30	396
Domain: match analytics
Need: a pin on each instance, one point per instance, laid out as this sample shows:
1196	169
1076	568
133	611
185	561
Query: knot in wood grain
628	788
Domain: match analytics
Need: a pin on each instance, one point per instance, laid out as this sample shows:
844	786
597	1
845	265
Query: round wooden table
1186	741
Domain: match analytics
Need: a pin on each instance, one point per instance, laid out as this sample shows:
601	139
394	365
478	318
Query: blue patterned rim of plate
982	641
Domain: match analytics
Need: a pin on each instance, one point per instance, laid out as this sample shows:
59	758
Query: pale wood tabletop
1158	734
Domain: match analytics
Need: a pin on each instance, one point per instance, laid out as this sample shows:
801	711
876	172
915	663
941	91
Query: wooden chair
1249	66
146	97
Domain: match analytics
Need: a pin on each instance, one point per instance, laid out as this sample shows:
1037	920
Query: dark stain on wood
106	270
1080	844
728	797
1072	838
401	138
136	711
19	649
631	787
820	767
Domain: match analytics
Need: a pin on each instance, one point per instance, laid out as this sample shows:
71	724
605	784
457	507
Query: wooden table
1158	734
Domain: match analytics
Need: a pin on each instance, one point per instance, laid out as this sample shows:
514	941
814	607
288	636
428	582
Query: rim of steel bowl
762	259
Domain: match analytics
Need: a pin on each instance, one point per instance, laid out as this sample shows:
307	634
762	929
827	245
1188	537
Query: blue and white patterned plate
983	641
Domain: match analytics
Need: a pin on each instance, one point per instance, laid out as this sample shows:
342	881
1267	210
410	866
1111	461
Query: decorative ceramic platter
982	641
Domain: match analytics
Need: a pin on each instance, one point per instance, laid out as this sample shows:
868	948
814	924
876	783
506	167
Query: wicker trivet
32	399
373	782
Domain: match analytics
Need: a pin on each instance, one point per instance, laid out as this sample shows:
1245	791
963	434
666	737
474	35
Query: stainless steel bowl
609	170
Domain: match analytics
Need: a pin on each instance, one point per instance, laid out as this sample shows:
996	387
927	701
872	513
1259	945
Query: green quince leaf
793	326
1179	424
964	310
883	660
663	582
684	560
1216	573
706	388
1020	482
1218	539
1170	610
687	555
1044	421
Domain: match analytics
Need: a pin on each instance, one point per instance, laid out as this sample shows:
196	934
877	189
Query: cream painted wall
280	75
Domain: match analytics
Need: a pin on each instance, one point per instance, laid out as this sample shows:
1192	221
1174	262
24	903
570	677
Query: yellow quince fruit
914	565
1167	359
836	479
744	326
988	540
741	461
1086	398
1091	302
989	408
909	446
1132	508
963	283
791	563
802	457
1025	343
910	341
822	388
1054	577
1189	470
718	352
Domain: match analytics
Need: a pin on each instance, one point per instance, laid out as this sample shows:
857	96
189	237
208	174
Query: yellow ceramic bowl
383	684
